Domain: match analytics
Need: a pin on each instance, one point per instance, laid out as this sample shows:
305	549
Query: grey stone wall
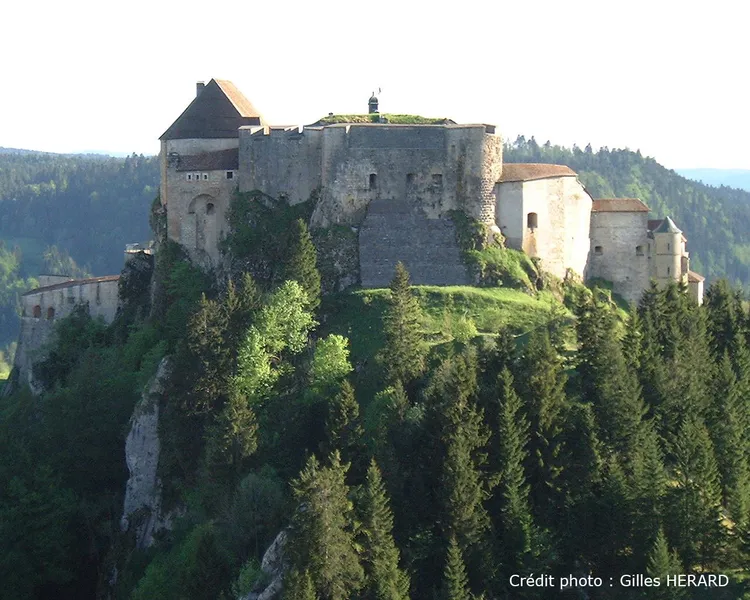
614	255
395	230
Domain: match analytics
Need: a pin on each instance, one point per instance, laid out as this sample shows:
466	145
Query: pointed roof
218	111
667	226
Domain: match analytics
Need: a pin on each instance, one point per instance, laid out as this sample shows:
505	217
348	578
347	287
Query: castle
395	185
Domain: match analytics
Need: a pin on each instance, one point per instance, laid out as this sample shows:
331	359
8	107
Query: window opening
230	174
50	313
37	312
210	208
437	180
373	181
531	220
598	250
639	250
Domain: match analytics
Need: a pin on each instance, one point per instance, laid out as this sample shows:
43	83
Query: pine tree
728	424
512	437
694	504
662	563
384	580
455	580
321	540
607	382
300	263
543	390
233	436
299	586
343	428
403	356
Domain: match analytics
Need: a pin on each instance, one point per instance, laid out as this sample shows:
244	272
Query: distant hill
716	221
70	214
736	178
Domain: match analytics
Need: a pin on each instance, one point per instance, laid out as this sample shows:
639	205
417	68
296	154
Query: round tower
669	251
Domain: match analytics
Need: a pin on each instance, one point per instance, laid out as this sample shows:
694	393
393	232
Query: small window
205	176
639	250
37	311
668	247
230	174
373	181
437	180
668	271
409	178
189	176
598	250
210	208
50	313
531	221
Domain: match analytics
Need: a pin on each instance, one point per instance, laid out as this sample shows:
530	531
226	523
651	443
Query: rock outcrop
142	509
272	567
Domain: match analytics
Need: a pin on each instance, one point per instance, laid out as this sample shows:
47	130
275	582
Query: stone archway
200	229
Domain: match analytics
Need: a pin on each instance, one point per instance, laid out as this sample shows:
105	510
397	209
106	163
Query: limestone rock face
142	508
272	566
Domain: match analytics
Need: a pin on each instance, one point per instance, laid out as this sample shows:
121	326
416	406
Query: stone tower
670	261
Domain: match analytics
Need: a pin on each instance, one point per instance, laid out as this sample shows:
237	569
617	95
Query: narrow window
205	176
639	250
668	247
189	176
37	311
373	181
668	270
230	174
409	178
437	180
531	221
598	250
50	313
210	208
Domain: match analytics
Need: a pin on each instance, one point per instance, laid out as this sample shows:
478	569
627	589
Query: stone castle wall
559	234
43	307
620	251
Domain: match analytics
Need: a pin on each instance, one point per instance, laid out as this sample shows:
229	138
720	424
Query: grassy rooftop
389	118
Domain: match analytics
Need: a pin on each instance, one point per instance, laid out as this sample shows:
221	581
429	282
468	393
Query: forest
595	443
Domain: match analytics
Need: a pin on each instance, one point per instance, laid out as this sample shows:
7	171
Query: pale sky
668	78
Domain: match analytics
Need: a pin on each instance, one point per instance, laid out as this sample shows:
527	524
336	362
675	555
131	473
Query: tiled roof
217	112
72	283
618	205
694	277
221	160
531	171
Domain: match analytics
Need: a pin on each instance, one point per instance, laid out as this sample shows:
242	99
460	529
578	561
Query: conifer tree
455	580
234	434
384	580
543	390
343	428
512	435
606	380
321	540
694	504
403	356
662	563
725	316
299	586
300	263
728	424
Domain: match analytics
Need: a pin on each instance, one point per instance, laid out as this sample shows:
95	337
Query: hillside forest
423	443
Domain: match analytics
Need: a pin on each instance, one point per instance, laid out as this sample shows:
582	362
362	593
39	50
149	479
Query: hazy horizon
662	78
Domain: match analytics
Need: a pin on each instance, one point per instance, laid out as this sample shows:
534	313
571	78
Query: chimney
199	88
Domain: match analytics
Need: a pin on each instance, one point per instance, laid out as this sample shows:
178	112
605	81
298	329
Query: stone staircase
395	231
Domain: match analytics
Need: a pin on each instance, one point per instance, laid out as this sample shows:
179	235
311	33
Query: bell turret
372	104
